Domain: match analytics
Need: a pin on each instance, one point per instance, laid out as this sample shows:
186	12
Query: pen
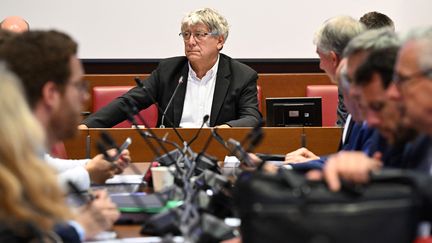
84	197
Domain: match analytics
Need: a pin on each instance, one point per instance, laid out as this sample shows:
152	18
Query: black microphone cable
205	119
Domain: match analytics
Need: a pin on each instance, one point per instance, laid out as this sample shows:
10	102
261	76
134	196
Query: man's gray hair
372	40
336	32
216	23
422	36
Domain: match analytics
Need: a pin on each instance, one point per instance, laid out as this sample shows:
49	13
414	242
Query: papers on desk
177	239
122	184
125	179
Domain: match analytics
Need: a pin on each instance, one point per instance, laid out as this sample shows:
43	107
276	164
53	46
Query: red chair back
103	95
329	97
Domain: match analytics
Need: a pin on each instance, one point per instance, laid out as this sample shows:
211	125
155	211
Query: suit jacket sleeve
240	107
117	111
247	113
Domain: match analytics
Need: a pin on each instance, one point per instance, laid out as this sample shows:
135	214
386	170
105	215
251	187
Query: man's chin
193	55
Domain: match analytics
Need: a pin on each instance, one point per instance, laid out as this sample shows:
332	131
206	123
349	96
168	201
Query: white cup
162	178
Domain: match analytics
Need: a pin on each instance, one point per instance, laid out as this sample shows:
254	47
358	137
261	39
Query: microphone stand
140	84
170	101
190	221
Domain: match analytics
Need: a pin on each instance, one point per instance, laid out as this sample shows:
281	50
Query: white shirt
345	130
199	97
70	170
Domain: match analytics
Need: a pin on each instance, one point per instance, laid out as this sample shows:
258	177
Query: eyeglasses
198	36
400	79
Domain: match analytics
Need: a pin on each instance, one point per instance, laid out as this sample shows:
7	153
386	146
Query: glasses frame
400	80
198	36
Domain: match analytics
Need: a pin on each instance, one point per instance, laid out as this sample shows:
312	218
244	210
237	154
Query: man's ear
221	42
335	59
50	94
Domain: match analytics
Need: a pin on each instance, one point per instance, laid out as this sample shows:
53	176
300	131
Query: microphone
205	119
170	101
140	84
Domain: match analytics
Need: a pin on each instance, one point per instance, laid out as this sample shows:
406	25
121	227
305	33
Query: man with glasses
208	82
413	79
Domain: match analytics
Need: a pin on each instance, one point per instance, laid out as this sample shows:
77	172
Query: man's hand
350	166
98	215
299	156
82	127
223	126
100	169
123	161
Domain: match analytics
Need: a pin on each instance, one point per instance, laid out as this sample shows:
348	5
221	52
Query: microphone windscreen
205	118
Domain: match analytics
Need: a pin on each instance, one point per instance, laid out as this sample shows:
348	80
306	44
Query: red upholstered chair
329	95
259	94
102	95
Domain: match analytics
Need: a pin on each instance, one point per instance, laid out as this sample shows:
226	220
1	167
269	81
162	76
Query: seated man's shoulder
172	60
237	65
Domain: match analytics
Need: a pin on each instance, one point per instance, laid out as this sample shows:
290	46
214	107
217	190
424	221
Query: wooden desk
127	231
320	140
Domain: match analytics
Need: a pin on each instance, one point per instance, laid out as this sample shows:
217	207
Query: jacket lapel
178	100
221	89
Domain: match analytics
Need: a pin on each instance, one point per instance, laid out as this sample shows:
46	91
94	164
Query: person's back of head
376	20
5	35
33	202
37	57
336	32
15	24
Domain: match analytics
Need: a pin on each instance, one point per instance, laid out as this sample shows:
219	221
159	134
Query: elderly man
330	41
413	79
14	24
208	82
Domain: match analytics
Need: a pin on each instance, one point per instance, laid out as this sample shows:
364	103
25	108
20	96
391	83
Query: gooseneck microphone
140	84
170	101
205	119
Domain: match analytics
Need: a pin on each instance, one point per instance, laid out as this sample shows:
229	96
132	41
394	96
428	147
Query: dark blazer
234	102
414	154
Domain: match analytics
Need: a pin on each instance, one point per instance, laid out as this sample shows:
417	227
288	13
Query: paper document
125	179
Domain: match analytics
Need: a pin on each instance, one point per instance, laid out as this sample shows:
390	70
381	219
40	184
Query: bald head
14	24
